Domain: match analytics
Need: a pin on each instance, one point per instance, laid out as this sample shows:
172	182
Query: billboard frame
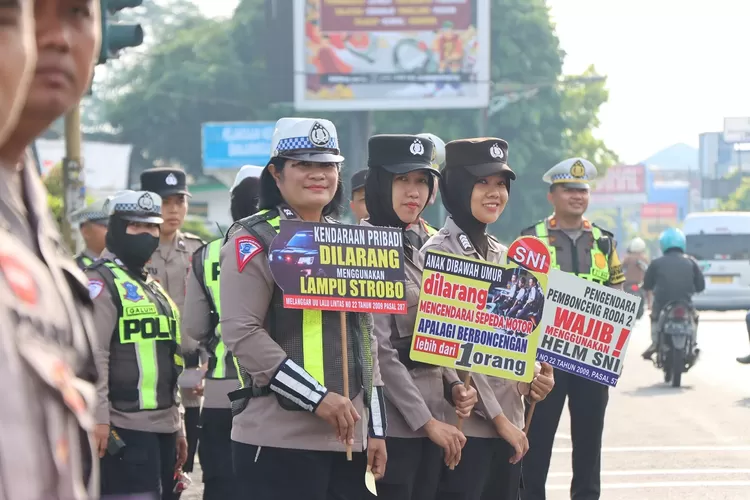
736	130
482	100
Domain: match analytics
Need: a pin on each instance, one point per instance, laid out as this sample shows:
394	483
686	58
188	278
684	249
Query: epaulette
191	236
250	221
606	233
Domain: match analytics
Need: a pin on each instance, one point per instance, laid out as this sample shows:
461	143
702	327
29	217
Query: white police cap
306	139
571	172
136	206
438	152
93	212
246	172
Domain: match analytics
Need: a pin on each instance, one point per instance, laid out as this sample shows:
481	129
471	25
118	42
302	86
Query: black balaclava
456	187
379	201
134	250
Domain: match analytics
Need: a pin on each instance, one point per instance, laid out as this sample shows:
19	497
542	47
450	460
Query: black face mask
134	250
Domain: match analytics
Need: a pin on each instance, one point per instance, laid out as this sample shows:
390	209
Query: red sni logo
530	253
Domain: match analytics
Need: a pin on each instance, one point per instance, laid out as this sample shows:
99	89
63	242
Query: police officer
399	184
169	266
291	421
45	312
201	321
138	431
579	247
420	231
92	223
474	189
357	203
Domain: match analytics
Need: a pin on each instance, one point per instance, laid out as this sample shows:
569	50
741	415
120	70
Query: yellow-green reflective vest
599	271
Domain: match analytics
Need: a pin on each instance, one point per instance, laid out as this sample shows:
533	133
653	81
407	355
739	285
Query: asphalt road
663	443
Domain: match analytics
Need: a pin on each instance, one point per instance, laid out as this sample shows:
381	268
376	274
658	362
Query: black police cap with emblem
400	153
481	156
164	181
358	180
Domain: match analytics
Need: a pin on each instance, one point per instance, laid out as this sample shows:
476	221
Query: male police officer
357	204
92	223
138	353
579	247
169	265
201	322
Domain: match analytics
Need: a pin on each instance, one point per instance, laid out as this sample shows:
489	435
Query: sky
675	68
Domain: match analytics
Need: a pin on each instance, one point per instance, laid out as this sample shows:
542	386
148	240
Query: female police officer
200	321
138	355
474	190
399	184
285	429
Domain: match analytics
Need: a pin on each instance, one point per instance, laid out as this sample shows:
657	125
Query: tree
200	70
739	200
55	193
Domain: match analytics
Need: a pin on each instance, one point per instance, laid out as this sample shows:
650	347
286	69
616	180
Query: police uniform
46	347
415	392
485	456
169	266
93	213
139	351
589	253
419	232
289	358
201	322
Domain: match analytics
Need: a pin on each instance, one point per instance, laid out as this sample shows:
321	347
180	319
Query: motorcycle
676	352
634	288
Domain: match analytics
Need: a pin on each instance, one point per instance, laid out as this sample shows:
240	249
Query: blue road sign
234	144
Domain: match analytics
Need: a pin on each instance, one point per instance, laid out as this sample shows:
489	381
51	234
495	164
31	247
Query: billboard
354	55
234	144
656	217
622	185
737	130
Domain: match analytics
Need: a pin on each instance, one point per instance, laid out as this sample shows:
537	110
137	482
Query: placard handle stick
467	384
345	369
528	417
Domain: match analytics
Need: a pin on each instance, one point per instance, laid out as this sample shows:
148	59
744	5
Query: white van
720	242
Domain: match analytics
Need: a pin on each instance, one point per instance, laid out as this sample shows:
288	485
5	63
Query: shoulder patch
95	288
246	247
288	213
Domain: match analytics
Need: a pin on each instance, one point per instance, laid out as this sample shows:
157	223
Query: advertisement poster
477	316
338	267
586	327
391	54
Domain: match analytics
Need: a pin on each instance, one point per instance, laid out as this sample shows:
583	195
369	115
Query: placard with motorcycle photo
586	327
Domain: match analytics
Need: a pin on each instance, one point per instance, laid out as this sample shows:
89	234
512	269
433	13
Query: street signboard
655	217
231	145
737	130
358	55
622	185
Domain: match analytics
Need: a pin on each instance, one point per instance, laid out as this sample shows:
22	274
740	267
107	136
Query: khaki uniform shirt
496	395
417	233
169	265
105	319
46	350
414	396
245	301
196	323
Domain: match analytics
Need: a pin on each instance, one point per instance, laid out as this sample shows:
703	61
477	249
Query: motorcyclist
635	263
675	276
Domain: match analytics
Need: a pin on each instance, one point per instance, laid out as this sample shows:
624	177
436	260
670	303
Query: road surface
663	443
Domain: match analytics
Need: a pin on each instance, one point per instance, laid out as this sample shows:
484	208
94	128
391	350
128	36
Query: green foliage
198	228
55	193
739	200
194	70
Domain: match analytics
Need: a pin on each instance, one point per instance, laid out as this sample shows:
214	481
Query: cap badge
416	148
171	180
578	170
319	136
146	202
496	151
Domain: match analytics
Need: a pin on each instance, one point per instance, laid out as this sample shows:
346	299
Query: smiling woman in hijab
399	184
474	189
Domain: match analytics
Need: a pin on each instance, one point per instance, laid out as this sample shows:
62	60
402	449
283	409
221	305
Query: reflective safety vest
428	228
311	337
599	270
83	261
220	362
145	358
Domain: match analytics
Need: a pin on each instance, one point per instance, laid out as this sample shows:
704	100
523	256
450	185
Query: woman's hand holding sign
542	384
340	413
464	399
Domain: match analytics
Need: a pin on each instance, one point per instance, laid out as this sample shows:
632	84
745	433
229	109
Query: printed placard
586	327
339	267
477	316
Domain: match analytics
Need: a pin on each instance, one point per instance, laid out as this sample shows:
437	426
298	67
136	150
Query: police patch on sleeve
465	243
95	288
246	248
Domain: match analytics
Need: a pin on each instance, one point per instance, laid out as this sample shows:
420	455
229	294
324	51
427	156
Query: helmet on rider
637	245
672	238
